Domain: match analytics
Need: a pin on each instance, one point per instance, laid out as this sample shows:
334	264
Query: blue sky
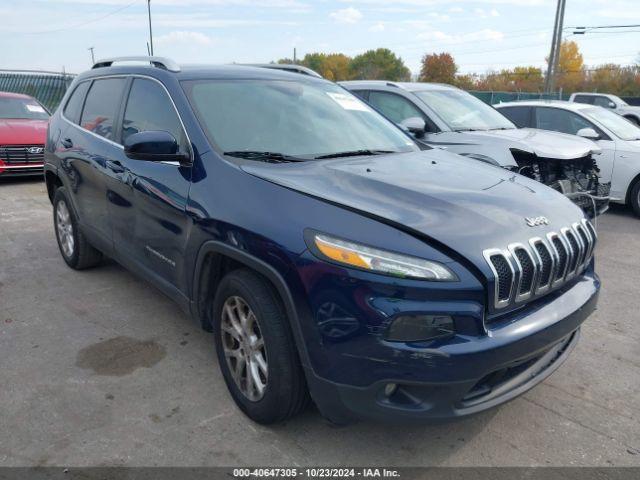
481	34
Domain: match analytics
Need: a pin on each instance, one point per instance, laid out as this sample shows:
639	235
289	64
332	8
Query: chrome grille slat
19	154
523	271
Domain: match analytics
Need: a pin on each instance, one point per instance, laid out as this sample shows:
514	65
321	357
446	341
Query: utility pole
150	30
295	60
556	42
93	58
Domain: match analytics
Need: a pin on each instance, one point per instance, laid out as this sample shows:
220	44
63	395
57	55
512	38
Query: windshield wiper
355	153
271	157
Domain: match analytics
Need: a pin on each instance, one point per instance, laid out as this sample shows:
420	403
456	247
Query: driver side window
149	108
563	121
394	106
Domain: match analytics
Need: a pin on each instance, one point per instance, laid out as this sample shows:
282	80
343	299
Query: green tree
380	64
438	67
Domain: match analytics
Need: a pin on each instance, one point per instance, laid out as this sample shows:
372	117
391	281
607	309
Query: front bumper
20	169
470	375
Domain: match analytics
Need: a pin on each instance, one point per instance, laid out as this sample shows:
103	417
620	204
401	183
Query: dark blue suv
333	259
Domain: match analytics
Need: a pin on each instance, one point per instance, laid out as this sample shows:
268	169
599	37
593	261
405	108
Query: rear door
148	199
86	147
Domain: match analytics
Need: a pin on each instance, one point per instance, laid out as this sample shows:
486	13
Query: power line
82	24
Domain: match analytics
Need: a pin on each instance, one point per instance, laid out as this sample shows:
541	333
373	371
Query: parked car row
336	257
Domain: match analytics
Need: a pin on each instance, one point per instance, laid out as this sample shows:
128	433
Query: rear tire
634	197
74	247
256	350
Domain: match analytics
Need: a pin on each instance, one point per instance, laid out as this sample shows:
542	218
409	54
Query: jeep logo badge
34	150
536	221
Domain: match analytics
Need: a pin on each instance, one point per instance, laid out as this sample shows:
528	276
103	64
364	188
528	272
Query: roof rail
289	67
158	62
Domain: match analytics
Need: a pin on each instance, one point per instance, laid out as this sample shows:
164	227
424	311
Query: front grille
21	154
524	271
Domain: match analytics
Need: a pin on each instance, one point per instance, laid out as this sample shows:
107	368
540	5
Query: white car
609	101
618	138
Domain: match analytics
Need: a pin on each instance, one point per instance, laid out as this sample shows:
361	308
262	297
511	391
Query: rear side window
149	108
101	106
583	99
521	116
74	105
393	106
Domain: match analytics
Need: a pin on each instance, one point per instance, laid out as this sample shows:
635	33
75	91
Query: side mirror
589	133
153	146
415	125
612	105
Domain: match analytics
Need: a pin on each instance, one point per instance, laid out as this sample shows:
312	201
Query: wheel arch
633	118
632	183
214	260
52	181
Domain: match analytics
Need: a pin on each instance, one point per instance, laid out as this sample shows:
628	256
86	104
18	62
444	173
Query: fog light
390	389
420	328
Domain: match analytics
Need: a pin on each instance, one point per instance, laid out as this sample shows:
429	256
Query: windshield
22	108
462	111
294	118
619	126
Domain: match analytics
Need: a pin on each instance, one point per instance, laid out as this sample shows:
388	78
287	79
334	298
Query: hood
22	131
497	144
464	204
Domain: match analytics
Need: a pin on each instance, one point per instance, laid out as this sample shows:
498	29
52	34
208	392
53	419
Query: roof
15	95
541	103
159	67
408	86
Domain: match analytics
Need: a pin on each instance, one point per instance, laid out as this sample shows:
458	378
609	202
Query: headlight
380	261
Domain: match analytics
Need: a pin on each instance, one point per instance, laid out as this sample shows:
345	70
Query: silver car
446	117
611	102
619	139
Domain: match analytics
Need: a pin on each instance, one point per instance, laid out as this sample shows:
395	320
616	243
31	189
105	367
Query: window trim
84	98
120	112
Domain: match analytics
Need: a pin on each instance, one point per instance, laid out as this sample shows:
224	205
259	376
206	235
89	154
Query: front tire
256	350
634	197
74	247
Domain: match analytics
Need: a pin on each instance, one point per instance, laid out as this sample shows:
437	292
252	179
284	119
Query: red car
23	130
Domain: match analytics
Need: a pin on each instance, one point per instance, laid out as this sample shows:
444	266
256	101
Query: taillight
2	164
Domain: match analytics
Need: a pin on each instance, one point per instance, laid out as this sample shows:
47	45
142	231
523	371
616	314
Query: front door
148	199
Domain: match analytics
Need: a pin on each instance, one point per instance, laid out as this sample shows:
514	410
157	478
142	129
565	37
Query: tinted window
583	99
602	102
74	105
521	116
559	120
394	106
149	108
101	106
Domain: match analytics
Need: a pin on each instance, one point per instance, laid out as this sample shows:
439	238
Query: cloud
446	38
456	10
346	15
378	27
184	38
482	13
439	16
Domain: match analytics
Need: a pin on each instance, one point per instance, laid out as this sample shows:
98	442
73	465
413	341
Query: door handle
115	166
67	143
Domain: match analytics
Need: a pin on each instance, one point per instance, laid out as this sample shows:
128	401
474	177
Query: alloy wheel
64	228
244	348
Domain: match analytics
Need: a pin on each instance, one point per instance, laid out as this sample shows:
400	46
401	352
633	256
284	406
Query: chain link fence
47	87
